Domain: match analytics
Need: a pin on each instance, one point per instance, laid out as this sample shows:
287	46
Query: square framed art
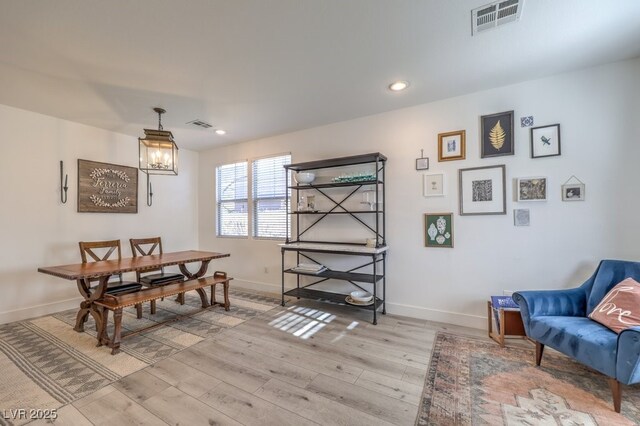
545	141
482	190
531	189
451	146
438	230
434	185
496	134
521	217
573	192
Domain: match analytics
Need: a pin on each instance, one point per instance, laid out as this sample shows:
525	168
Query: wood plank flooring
307	363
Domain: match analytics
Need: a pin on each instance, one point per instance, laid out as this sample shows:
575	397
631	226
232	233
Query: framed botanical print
532	189
434	185
438	230
545	141
482	190
451	146
496	134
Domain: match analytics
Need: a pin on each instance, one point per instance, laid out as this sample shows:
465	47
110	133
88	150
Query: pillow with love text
620	308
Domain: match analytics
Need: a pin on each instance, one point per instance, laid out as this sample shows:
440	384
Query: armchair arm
628	361
571	302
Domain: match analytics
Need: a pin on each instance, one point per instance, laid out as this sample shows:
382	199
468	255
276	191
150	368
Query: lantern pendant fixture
158	151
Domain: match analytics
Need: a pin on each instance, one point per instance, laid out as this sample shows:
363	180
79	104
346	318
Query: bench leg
213	295
616	392
139	310
102	333
153	307
226	296
117	331
539	350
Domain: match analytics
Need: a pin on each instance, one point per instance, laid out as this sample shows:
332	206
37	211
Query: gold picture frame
452	146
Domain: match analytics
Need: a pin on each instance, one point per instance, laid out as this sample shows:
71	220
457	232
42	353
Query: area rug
476	382
45	364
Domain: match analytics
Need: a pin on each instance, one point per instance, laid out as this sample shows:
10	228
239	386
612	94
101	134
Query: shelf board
344	248
340	212
308	293
337	162
339	275
335	184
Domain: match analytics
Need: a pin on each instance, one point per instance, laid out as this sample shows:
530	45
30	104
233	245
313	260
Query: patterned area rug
45	364
475	382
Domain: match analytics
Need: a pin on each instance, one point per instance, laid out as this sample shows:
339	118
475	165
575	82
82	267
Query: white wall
598	110
37	230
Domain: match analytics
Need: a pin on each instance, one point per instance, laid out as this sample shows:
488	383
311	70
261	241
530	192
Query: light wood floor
308	363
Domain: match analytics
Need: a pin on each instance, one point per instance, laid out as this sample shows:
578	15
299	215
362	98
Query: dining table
84	273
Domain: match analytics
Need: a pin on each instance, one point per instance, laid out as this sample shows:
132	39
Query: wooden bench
117	303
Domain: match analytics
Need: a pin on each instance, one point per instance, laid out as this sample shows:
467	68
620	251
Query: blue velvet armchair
559	319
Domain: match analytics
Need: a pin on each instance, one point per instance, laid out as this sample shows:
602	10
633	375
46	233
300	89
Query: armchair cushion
620	308
580	338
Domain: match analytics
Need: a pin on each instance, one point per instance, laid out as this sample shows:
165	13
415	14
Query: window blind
232	200
269	197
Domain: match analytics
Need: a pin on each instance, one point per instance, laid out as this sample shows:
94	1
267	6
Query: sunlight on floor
304	322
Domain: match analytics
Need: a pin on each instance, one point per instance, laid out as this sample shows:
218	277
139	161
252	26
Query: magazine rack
508	324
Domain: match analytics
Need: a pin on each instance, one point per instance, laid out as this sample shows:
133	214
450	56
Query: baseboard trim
455	318
39	310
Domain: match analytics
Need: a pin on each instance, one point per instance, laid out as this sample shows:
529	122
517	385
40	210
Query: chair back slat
87	248
146	247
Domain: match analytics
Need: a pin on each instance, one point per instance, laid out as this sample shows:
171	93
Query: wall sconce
63	187
158	153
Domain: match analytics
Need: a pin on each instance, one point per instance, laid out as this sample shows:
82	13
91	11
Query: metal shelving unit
375	264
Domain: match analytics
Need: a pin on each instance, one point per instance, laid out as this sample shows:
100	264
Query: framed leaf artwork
438	230
496	131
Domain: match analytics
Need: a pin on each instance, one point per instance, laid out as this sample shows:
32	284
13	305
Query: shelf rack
304	249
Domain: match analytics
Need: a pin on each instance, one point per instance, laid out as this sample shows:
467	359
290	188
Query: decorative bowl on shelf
361	296
304	178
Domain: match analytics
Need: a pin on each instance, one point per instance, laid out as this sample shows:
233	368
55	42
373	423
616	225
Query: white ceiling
264	67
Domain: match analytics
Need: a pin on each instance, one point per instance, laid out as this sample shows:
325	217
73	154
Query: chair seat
124	287
161	279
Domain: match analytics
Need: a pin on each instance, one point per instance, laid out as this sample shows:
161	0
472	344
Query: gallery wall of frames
483	190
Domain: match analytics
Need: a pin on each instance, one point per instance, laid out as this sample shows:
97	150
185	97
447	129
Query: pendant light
158	151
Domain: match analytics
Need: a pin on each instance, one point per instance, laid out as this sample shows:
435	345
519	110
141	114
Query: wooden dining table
82	273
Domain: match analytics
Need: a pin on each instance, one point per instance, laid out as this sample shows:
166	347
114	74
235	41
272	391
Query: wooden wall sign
107	188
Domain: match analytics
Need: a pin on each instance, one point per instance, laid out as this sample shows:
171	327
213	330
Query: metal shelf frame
377	262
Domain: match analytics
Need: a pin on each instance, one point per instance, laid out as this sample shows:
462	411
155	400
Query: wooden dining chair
147	247
88	248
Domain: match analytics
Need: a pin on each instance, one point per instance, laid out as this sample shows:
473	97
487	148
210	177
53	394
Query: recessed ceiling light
221	132
398	85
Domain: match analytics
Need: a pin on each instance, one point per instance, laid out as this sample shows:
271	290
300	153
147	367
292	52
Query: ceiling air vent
200	123
494	14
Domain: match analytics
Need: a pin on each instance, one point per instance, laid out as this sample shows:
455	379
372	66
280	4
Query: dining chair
147	247
103	250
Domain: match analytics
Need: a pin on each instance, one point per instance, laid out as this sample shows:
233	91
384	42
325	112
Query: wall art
526	121
422	163
545	141
482	190
438	230
107	188
496	134
532	189
451	146
573	192
434	185
521	217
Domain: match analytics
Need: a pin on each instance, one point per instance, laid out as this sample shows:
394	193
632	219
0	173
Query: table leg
193	276
86	306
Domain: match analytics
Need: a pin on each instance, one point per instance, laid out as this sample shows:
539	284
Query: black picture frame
497	135
422	163
545	141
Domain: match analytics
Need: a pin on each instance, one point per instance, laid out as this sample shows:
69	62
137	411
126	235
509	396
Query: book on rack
309	268
505	303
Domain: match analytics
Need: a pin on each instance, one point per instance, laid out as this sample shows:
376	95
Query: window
232	200
269	197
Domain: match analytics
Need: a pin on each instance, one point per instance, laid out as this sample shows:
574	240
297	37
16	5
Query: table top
139	263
